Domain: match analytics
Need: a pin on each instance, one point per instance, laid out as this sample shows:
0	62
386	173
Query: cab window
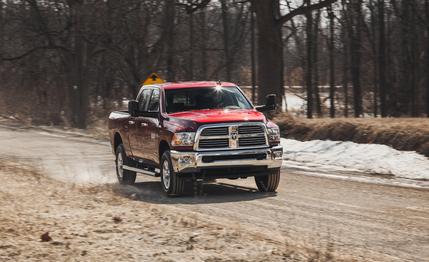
154	101
143	99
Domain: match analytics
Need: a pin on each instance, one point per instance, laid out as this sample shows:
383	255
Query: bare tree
171	24
226	36
355	33
204	37
427	55
331	47
80	58
383	86
345	56
309	66
315	54
191	6
270	55
372	38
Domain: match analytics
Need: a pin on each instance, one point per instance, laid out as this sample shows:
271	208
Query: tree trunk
203	40
309	65
191	47
252	54
427	70
372	38
79	92
171	13
226	46
356	47
315	55
345	37
407	96
270	57
382	59
331	46
1	39
391	75
427	56
413	42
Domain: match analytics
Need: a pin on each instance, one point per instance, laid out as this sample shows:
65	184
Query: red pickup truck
195	131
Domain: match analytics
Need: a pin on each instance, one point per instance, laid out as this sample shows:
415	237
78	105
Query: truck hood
206	116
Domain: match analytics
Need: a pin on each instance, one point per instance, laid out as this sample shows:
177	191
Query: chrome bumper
193	161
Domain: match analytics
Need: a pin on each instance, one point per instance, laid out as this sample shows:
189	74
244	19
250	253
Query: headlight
183	139
273	134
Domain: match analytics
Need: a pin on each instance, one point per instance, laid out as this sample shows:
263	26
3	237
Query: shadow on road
151	192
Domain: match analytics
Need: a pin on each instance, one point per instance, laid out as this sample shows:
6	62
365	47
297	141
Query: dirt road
365	221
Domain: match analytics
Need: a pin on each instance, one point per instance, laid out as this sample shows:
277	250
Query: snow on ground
368	158
294	103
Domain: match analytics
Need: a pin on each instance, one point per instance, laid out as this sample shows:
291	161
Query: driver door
139	134
152	128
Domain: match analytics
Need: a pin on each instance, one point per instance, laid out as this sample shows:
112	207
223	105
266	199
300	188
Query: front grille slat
251	141
214	143
250	129
254	140
215	131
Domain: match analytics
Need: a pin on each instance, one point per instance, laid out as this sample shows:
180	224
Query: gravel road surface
362	220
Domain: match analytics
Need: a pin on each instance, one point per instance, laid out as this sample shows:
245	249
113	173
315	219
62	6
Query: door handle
131	122
143	124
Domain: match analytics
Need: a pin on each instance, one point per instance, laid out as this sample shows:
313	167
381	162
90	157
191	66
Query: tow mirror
133	107
270	104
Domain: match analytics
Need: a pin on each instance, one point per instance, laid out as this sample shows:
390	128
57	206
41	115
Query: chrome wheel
166	175
120	166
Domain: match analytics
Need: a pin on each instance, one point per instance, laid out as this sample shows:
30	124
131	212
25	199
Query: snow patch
368	158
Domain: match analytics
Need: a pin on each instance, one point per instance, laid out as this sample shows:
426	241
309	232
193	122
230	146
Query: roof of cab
196	84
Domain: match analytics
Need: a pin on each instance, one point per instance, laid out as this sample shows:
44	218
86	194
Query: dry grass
408	134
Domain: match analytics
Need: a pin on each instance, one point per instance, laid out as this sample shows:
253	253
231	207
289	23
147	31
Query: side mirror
133	107
270	104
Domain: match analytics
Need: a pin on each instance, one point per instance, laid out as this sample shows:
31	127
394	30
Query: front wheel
171	182
268	182
125	177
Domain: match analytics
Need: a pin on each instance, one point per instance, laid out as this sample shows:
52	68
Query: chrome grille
231	136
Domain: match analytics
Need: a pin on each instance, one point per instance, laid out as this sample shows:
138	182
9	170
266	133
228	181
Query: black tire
127	177
175	185
269	182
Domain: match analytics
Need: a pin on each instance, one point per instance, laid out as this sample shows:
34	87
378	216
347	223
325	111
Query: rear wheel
125	177
269	182
171	182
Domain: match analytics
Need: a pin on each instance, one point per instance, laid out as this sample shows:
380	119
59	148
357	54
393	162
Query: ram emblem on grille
234	134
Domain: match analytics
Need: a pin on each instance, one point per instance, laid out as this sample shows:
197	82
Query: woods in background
64	61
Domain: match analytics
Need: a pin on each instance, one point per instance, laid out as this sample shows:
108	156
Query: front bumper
189	162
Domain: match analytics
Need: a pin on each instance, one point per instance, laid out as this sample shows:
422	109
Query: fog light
277	154
185	160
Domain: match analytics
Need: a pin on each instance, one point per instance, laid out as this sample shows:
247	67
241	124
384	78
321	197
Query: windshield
179	100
